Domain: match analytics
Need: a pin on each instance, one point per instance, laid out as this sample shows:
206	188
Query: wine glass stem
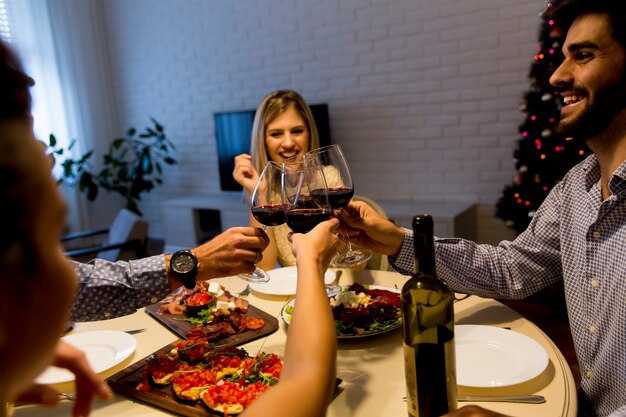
348	243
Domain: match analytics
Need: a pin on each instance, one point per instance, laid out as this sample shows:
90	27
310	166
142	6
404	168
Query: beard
596	116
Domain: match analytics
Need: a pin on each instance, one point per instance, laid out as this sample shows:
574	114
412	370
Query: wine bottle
428	331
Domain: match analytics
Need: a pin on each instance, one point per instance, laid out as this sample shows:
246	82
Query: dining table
371	369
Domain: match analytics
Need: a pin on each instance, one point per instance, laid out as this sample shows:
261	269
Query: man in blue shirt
578	235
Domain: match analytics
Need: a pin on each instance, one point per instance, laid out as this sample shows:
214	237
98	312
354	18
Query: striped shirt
576	237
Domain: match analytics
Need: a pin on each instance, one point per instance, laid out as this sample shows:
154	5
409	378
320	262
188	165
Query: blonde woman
283	128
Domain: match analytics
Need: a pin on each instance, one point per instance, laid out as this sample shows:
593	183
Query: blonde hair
272	106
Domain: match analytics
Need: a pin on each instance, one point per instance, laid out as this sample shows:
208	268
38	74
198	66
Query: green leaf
85	157
131	132
169	160
146	164
52	140
157	125
117	143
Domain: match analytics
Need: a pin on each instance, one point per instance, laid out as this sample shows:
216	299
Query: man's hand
88	384
370	230
473	411
230	253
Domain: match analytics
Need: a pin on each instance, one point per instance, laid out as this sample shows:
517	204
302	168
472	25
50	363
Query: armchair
125	239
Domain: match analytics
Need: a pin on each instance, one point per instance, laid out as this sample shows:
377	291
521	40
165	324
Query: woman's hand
318	245
245	173
88	384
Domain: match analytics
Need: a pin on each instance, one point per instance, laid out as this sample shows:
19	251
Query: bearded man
578	235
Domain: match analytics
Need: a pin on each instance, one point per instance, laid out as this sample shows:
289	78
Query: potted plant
132	166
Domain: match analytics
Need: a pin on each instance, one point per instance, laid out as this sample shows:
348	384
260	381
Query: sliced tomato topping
199	298
253	323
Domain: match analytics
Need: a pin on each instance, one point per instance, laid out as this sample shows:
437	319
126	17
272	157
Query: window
25	24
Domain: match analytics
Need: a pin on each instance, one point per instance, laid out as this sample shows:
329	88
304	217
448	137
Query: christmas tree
542	157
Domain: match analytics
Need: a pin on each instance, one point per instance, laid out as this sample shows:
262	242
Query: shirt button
588	374
592	329
107	314
153	300
596	234
595	282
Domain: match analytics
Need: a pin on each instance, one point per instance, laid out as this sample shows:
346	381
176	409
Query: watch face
183	263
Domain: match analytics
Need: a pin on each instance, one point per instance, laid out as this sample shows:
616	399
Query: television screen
233	131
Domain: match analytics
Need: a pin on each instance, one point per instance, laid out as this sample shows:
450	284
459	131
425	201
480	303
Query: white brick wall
423	95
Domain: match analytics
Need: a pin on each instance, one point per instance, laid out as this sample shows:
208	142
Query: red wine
302	220
303	201
428	331
269	214
338	197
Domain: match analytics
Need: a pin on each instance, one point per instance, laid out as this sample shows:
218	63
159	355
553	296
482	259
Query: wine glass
303	211
340	191
306	208
266	206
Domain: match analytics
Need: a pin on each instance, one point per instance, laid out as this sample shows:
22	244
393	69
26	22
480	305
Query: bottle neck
424	253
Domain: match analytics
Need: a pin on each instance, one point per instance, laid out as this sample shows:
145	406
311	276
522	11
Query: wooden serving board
125	382
180	327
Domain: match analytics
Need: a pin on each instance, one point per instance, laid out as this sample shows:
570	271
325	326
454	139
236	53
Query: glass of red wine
266	206
305	209
340	189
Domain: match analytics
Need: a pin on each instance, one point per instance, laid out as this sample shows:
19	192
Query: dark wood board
125	382
180	328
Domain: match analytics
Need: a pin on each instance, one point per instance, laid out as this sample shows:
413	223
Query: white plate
104	350
489	356
286	317
283	281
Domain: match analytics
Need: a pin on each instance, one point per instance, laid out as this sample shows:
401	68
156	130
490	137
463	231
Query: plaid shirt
112	289
575	237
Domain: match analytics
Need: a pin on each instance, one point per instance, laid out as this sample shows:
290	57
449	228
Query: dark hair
564	12
18	186
15	100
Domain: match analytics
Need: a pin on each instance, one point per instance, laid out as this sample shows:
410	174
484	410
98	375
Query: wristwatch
184	266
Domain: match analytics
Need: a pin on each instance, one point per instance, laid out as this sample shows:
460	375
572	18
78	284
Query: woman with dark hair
38	283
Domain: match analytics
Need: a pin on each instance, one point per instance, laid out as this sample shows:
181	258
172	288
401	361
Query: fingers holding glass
340	190
306	198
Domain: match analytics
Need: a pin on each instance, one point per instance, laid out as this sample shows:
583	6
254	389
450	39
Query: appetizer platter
211	312
361	310
194	378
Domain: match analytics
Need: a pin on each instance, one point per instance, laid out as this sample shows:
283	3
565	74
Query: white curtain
28	30
62	44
